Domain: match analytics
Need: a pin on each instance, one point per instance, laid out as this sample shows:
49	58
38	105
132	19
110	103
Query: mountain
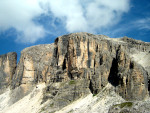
78	73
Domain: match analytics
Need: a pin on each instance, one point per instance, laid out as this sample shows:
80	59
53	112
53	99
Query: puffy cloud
88	15
19	14
75	15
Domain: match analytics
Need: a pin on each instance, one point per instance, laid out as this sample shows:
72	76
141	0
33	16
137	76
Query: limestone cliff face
33	66
98	60
7	69
79	64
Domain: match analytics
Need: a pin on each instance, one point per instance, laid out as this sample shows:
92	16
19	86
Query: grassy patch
125	104
51	105
94	95
72	82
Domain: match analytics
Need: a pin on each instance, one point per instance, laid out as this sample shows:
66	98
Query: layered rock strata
8	63
81	63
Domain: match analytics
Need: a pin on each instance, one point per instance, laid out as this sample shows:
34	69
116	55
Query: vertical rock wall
91	57
33	66
8	64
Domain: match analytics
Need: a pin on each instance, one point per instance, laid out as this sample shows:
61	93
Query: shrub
72	82
125	104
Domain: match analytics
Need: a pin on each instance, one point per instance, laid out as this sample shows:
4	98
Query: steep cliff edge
33	65
8	63
80	64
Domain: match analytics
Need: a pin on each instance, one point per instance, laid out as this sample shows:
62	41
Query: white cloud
19	15
75	15
88	15
143	23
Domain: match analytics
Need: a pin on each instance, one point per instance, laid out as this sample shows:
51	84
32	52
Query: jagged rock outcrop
91	57
98	61
8	63
33	66
79	64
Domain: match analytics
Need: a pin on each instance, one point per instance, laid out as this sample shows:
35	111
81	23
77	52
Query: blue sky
25	23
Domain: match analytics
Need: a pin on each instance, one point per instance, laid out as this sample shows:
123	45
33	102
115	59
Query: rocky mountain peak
80	64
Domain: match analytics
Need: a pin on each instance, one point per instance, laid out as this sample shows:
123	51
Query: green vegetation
125	104
94	95
43	109
72	82
62	100
70	111
51	105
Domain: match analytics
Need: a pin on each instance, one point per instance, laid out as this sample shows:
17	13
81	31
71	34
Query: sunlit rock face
99	60
8	64
33	65
79	64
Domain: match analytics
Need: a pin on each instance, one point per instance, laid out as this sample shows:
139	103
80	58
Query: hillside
78	73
